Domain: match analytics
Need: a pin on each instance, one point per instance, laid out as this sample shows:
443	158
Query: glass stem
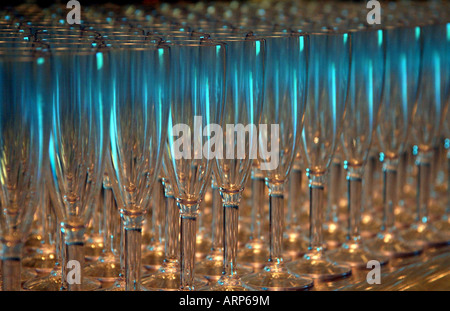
448	183
172	227
74	254
276	212
230	231
423	161
11	264
294	201
335	190
122	247
316	189
389	192
109	209
217	219
258	186
401	182
354	192
158	211
188	227
368	184
132	222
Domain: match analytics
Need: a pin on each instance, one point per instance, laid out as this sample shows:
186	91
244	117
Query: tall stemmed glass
443	224
198	81
138	126
432	103
363	102
328	81
167	278
242	113
403	58
79	137
24	134
286	79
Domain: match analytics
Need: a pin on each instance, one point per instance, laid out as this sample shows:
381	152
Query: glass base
317	266
254	254
167	281
211	268
355	255
105	272
42	263
118	286
391	245
425	235
52	282
275	277
333	235
227	284
167	278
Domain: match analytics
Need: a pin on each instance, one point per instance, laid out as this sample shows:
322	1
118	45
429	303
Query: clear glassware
242	113
403	58
167	277
328	84
24	116
43	259
139	124
107	268
77	144
443	224
362	107
153	255
286	77
211	267
255	251
188	157
432	103
333	232
295	242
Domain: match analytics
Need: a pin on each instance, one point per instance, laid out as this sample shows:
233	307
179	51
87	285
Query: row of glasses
355	146
24	76
235	150
284	108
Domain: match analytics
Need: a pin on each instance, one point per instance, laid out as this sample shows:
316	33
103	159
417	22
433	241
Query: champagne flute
363	102
198	81
328	83
242	112
403	58
138	125
77	144
286	79
432	103
24	117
